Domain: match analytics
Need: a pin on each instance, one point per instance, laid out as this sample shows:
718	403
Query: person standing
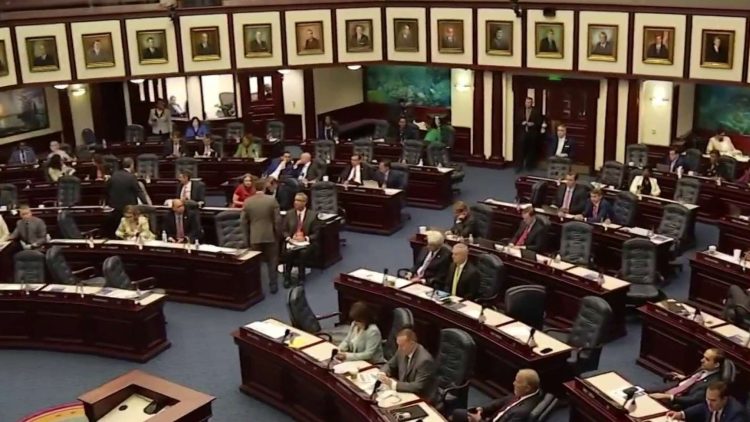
259	219
122	189
529	128
160	120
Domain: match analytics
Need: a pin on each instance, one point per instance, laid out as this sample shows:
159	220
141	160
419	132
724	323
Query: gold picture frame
4	65
41	53
451	36
359	35
602	42
549	40
205	43
658	45
257	40
98	50
310	38
406	35
717	49
499	38
152	46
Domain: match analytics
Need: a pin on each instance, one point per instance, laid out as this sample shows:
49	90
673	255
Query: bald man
462	278
306	169
182	225
514	407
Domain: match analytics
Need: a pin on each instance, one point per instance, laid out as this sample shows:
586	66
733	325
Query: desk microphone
375	387
284	339
481	317
334	352
698	317
385	277
629	403
531	342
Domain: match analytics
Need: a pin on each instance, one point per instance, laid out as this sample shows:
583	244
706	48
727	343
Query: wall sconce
77	90
464	80
354	67
61	86
136	81
659	100
284	71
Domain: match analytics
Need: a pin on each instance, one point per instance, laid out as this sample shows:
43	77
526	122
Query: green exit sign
555	78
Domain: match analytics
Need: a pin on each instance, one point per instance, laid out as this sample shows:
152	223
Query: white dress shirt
279	168
186	189
559	149
303	172
516	403
355	174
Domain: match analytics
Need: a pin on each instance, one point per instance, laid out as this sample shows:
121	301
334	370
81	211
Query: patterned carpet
71	412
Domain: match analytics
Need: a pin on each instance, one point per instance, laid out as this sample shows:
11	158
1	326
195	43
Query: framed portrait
406	35
549	40
499	38
602	42
717	49
204	42
4	68
98	50
359	35
152	46
257	40
42	54
309	38
658	45
451	33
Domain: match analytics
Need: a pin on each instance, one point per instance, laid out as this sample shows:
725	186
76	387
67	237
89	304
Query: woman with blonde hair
133	225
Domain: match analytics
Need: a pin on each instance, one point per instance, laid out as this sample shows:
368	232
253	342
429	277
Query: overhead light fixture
137	81
284	71
61	86
354	67
77	92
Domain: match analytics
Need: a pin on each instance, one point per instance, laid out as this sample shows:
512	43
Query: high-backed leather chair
612	174
636	155
116	276
727	167
639	269
61	273
575	243
147	166
134	133
587	334
89	137
402	317
448	135
542	410
491	277
728	371
558	167
325	150
324	198
68	228
28	267
411	152
455	365
625	208
275	129
8	195
302	317
737	307
539	193
68	191
401	179
186	163
687	190
288	187
438	155
111	162
482	217
235	130
692	160
229	230
526	304
674	223
365	148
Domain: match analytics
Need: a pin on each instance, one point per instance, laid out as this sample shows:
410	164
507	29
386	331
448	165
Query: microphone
284	339
385	276
334	352
698	317
375	387
481	317
629	403
531	342
79	288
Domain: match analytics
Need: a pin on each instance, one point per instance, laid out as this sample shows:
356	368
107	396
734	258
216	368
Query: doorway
262	99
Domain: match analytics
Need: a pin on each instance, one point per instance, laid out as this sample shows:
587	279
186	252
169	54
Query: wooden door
262	99
108	106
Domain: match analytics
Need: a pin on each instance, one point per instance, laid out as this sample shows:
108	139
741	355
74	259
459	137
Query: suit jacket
315	171
198	151
663	52
168	148
275	163
258	47
638	181
191	224
733	412
577	202
197	191
15	156
519	412
365	170
679	162
697	393
394	181
259	217
535	117
205	50
548	46
152	54
33	231
721	56
418	377
465	227
468	281
535	239
363	41
603	50
438	266
567	148
604	212
123	189
312	44
310	225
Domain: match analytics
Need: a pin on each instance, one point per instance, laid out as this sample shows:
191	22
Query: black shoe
274	287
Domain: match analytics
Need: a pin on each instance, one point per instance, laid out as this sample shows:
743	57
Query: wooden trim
66	117
576	28
524	39
688	47
16	58
230	34
631	39
384	32
428	31
125	47
178	44
477	129
475	40
675	112
631	129
498	125
610	119
71	53
284	52
309	92
334	37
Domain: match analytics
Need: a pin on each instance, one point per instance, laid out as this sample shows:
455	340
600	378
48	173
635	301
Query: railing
28	5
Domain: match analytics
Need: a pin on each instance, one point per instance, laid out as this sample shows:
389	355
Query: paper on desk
326	216
117	293
418	289
492	318
391	192
349	366
299	243
276	332
320	352
377	277
20	286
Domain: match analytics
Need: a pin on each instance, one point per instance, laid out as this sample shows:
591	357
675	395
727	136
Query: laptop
664	168
528	254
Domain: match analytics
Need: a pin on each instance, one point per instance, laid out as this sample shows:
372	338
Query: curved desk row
501	341
295	379
107	322
711	274
734	232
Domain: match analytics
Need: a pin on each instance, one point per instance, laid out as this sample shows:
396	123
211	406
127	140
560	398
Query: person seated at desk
4	232
248	148
356	172
411	369
243	191
280	166
386	178
530	233
22	155
745	178
718	406
559	144
433	133
462	278
175	148
675	160
433	261
305	169
181	225
644	184
196	130
363	341
56	169
715	169
189	190
690	390
56	149
721	143
30	231
329	130
206	151
570	198
404	131
133	225
299	225
464	223
597	209
102	171
516	407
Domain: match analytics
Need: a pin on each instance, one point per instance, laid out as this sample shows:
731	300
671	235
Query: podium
106	403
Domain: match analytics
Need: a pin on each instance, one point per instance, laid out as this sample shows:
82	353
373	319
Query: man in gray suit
30	231
259	218
411	369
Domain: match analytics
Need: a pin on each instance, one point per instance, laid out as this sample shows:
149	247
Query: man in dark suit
718	406
258	44
311	43
516	407
500	42
528	129
189	189
690	390
530	233
657	49
122	189
411	369
404	131
464	223
280	166
259	221
175	147
449	39
306	170
152	51
604	47
298	225
182	225
716	52
674	160
22	154
462	278
571	198
597	209
560	145
205	47
96	54
548	44
386	178
329	129
356	172
433	260
42	58
30	231
206	149
359	39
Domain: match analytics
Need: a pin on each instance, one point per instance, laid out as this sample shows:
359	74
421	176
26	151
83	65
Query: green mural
723	106
419	85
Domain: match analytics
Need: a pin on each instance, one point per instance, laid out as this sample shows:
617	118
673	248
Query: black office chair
447	135
455	365
439	155
575	243
8	195
737	307
115	276
61	273
411	152
235	130
229	230
491	278
68	191
325	150
365	149
28	267
401	171
674	223
625	208
639	269
558	167
134	133
147	166
89	138
402	318
288	187
587	334
84	153
526	304
483	217
538	193
612	174
728	371
186	163
636	155
68	228
324	198
275	130
545	407
727	167
302	317
111	162
692	160
687	190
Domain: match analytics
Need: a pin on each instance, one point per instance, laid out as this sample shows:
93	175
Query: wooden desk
93	192
56	317
213	276
675	342
565	283
132	149
711	276
500	354
734	233
344	150
297	381
598	398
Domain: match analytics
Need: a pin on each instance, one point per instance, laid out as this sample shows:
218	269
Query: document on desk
376	277
734	333
67	288
117	293
391	192
20	286
492	317
610	283
688	312
546	343
418	289
640	231
350	366
320	352
505	204
610	383
275	332
445	169
130	410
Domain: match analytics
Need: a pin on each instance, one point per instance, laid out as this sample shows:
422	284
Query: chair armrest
452	388
91	271
322	317
151	280
325	336
555	330
90	233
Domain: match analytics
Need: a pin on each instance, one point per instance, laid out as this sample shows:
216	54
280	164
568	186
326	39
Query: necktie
596	211
26	233
716	416
456	277
428	258
299	222
524	235
566	200
685	385
23	157
180	229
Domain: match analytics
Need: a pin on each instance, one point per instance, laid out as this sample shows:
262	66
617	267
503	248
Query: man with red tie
691	390
531	232
516	407
356	173
300	229
597	209
182	225
571	198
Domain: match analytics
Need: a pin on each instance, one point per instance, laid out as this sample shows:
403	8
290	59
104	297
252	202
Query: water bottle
197	244
163	235
471	239
421	163
104	143
49	238
600	279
